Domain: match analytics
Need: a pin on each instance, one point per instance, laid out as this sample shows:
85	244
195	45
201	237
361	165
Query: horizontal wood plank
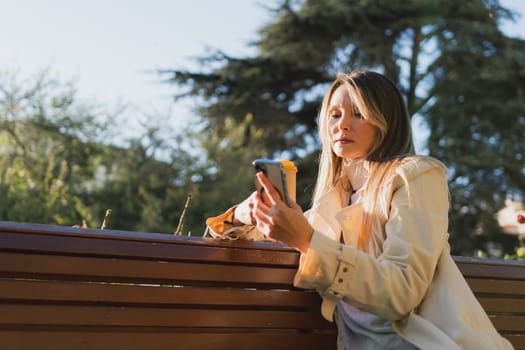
518	341
170	248
65	315
169	340
491	268
509	305
23	291
35	266
497	287
509	324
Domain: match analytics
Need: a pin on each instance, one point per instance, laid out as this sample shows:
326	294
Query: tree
484	138
58	166
146	183
424	46
46	147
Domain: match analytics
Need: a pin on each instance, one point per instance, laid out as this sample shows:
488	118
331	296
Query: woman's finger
271	192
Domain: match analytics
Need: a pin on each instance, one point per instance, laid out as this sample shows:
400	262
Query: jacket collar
330	214
357	171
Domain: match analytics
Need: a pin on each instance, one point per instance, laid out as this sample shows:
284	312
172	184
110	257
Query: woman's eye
335	115
358	115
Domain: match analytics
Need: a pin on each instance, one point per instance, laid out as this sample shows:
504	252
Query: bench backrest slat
159	339
165	247
156	295
138	316
93	269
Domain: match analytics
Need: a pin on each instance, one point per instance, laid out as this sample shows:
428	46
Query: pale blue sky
108	45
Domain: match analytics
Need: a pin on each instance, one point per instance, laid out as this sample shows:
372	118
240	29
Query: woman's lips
344	140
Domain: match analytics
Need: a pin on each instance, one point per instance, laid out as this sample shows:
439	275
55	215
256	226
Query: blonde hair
381	104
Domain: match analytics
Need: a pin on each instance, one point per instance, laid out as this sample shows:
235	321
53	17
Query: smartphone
275	171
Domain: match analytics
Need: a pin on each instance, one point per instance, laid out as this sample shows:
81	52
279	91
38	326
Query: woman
375	242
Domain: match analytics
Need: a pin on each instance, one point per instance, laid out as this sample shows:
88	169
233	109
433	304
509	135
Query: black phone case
275	172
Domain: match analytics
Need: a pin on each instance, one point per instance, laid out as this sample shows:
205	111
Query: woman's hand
278	221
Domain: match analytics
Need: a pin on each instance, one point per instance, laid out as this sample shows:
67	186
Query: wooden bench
69	288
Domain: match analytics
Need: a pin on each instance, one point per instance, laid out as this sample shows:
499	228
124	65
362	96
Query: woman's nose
344	123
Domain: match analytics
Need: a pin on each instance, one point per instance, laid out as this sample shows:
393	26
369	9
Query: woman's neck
357	172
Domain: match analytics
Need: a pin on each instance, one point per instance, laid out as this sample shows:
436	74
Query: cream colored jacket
409	277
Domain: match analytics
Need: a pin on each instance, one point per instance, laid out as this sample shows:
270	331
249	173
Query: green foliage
518	255
478	129
145	193
58	168
41	156
458	72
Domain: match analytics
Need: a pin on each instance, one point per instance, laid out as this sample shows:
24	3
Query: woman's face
352	137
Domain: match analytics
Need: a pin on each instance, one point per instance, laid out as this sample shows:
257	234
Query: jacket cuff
317	267
218	225
326	266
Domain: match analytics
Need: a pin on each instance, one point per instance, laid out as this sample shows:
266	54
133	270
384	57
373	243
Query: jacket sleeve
394	283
